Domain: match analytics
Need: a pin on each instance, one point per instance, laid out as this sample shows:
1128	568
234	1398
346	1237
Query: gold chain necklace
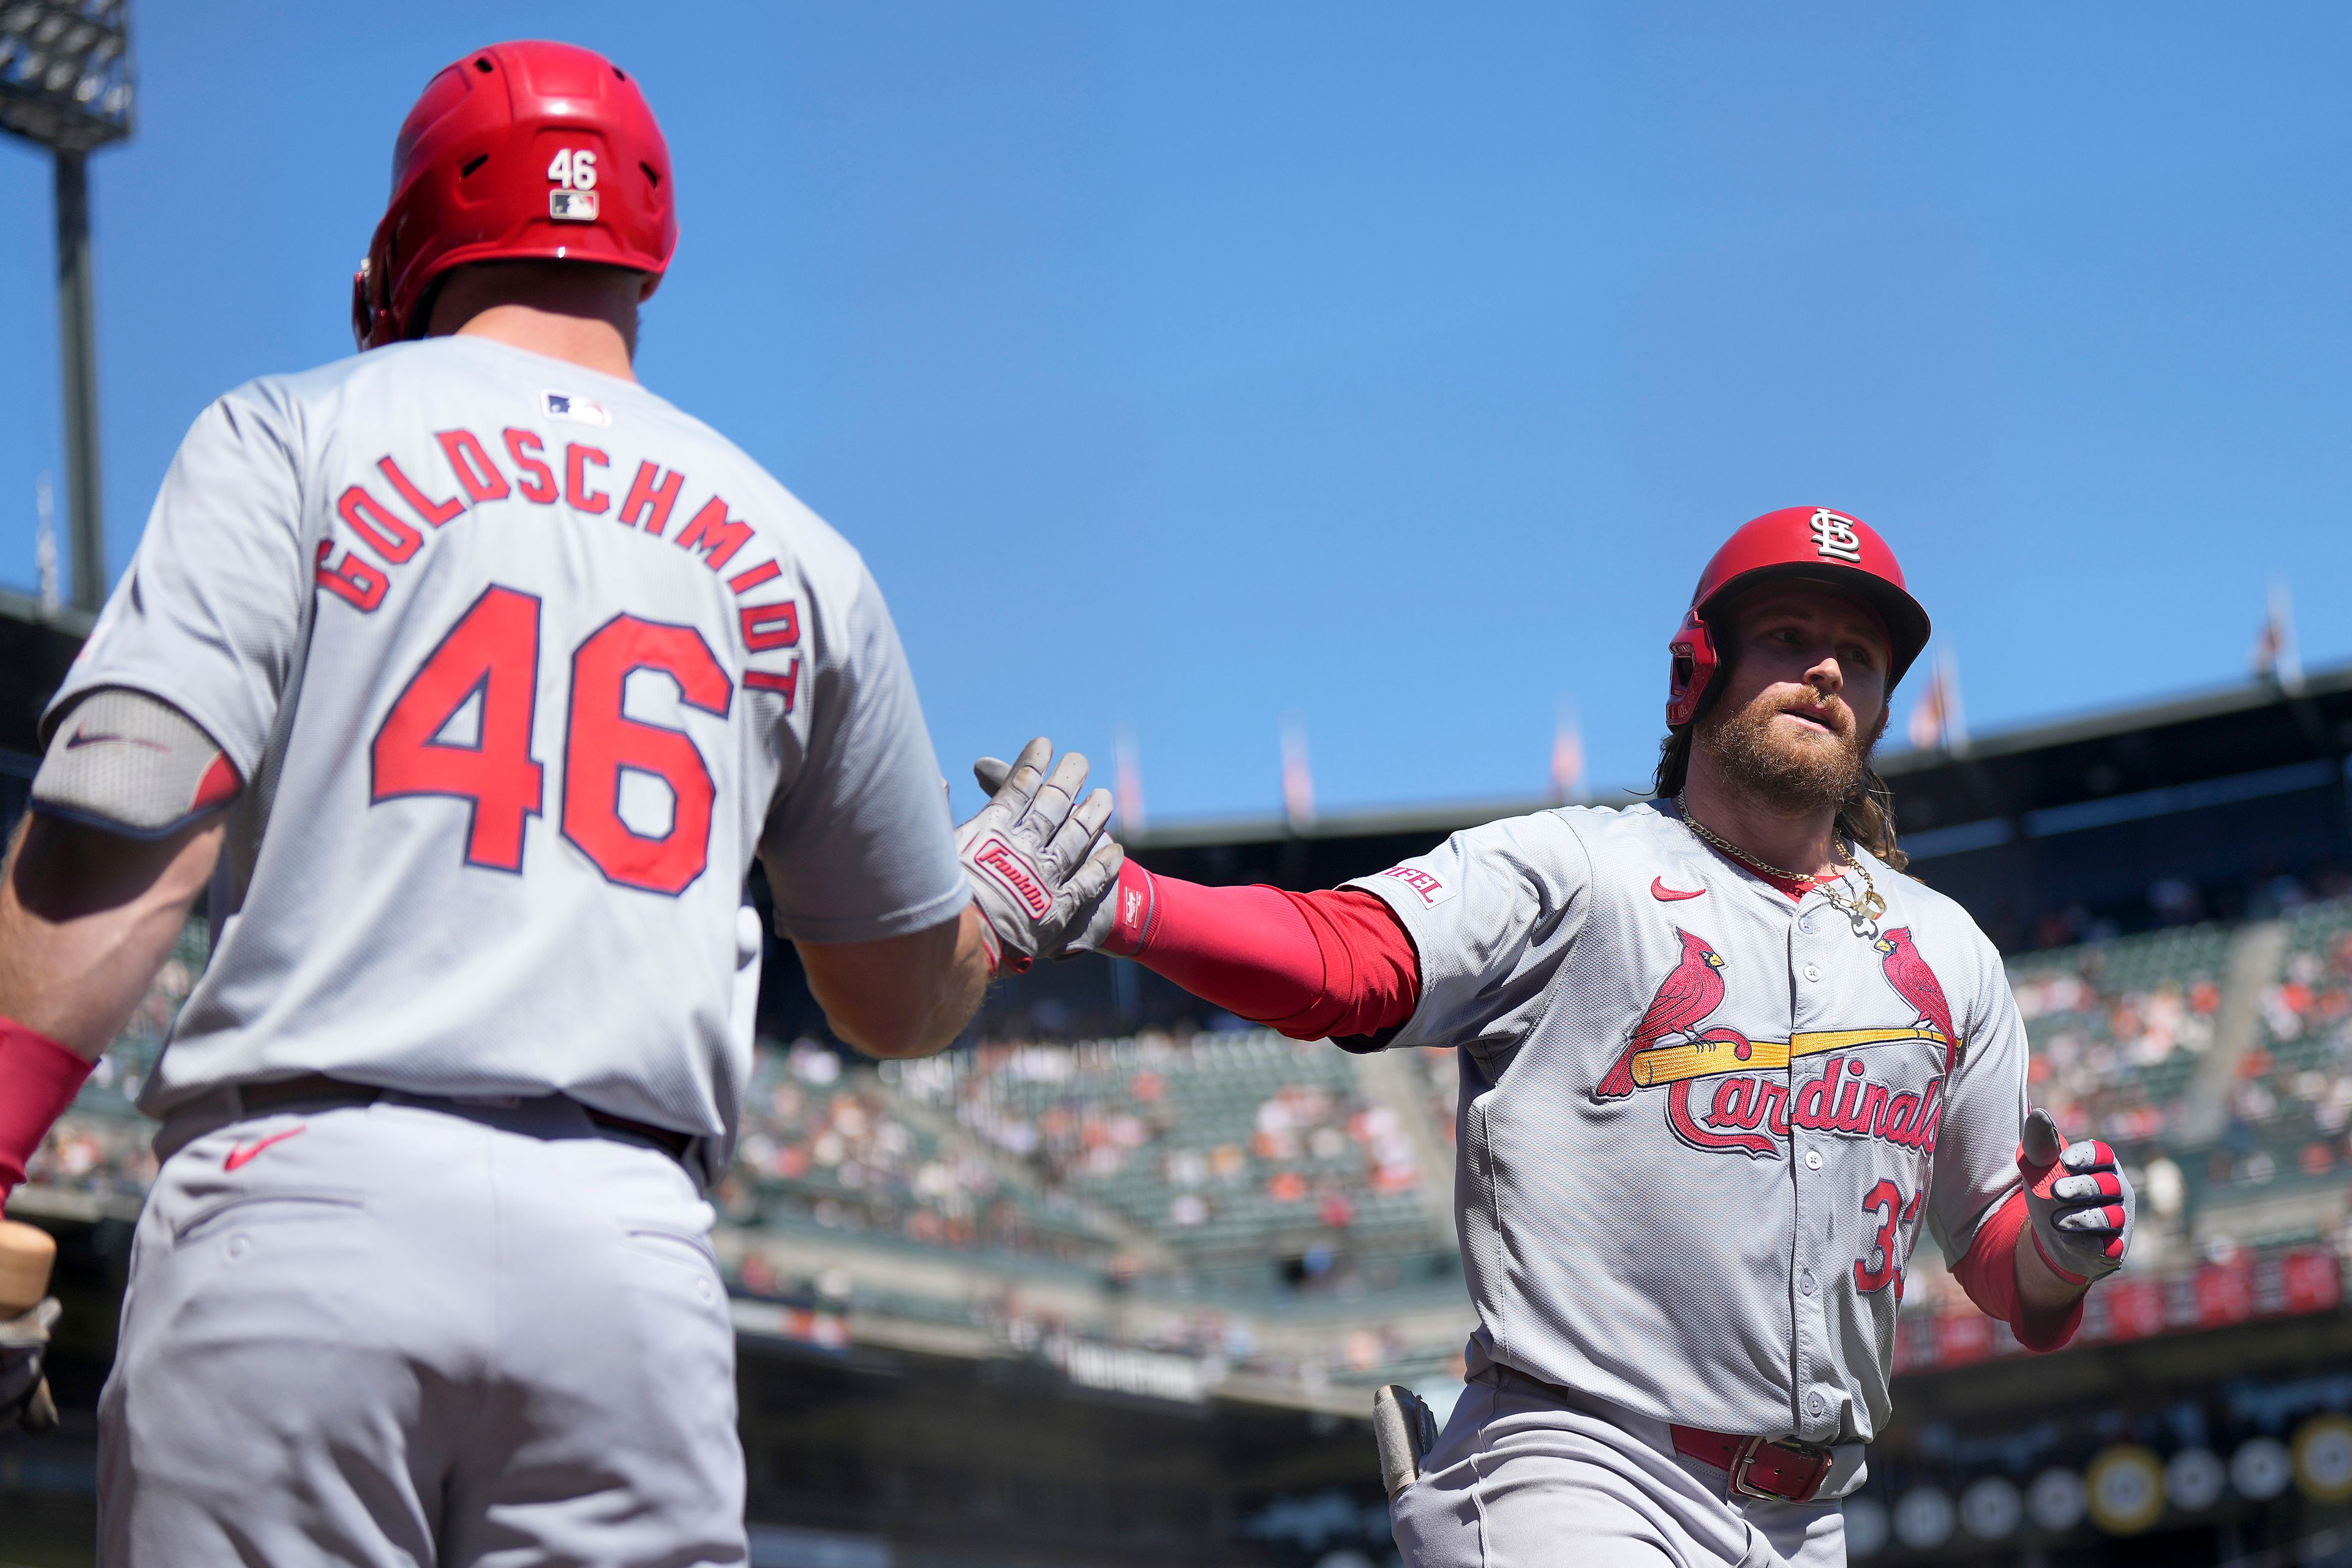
1862	916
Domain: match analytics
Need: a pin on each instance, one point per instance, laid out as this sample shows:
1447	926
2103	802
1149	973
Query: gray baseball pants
420	1333
1518	1480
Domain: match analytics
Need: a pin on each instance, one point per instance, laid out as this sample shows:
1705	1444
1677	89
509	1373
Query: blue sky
1182	367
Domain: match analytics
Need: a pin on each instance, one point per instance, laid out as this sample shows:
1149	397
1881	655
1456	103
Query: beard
1793	774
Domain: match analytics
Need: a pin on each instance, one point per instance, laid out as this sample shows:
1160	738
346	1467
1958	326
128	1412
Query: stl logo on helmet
574	174
1835	538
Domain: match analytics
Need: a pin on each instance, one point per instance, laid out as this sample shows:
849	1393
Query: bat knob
27	1253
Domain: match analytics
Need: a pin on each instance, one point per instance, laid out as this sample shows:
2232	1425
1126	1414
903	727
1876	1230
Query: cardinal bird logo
1693	990
1917	983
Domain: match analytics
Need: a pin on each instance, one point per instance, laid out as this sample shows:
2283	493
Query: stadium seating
2117	1026
1232	1149
833	1146
2301	1075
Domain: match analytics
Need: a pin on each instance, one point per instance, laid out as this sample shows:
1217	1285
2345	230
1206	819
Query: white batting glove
2080	1202
1091	923
1035	854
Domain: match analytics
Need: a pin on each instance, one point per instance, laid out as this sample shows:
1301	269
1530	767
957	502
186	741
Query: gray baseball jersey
1701	1123
522	665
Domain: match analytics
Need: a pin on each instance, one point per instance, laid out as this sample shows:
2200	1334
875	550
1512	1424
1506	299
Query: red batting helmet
1808	542
523	151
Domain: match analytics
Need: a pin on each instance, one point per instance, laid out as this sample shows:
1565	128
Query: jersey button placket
1812	1010
1801	1009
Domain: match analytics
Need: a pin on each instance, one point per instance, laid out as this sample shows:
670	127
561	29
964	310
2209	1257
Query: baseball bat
26	1255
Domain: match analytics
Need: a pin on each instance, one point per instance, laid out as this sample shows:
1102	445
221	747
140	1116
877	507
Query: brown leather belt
1778	1469
319	1089
1781	1468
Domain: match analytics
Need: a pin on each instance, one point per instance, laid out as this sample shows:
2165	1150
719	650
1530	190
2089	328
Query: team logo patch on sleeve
1012	870
1433	889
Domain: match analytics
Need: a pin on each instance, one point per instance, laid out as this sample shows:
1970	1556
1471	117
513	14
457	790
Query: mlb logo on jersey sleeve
1433	889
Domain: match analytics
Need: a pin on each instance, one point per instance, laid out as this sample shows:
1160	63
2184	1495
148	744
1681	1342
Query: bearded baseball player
472	677
1721	1060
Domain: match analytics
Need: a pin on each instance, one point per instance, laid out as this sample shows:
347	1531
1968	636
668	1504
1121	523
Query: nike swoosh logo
243	1152
1665	895
81	738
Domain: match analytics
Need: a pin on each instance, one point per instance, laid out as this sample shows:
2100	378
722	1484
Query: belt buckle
1818	1456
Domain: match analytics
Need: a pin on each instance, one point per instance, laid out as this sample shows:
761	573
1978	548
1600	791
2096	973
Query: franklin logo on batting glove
998	859
1037	855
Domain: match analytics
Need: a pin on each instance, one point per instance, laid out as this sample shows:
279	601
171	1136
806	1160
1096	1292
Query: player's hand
2080	1202
1035	854
24	1392
1091	920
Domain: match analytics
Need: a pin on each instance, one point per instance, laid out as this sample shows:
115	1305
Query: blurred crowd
1077	1151
830	1144
1196	1157
1233	1139
2303	1067
2097	1049
101	1157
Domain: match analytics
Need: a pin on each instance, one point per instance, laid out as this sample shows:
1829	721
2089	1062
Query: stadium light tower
65	82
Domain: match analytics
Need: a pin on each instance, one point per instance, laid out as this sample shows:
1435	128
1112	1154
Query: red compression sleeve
1334	964
38	1079
1989	1274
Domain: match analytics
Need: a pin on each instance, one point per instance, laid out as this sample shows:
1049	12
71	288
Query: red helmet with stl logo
528	151
1809	543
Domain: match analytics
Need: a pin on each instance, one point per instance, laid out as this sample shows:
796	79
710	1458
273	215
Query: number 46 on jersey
493	652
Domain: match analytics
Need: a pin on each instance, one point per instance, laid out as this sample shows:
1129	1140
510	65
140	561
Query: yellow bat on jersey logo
1704	1058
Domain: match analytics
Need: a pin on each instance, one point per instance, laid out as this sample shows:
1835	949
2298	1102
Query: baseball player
472	677
1721	1061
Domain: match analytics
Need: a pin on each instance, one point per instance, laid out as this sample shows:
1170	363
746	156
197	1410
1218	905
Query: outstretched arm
1334	964
1034	859
903	996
